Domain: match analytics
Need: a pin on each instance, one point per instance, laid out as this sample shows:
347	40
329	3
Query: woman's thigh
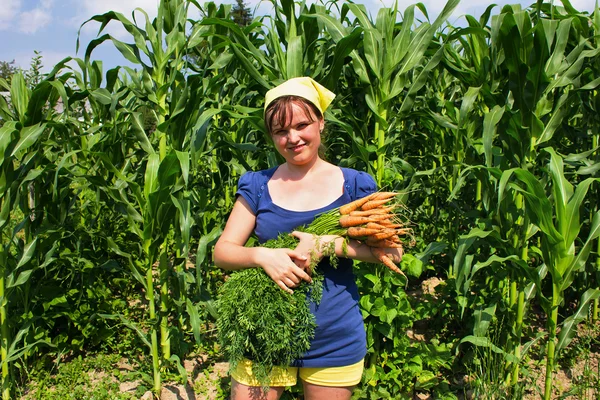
317	392
240	391
331	383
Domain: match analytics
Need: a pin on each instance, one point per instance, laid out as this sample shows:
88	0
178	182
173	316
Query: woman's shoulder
251	177
251	184
359	183
358	176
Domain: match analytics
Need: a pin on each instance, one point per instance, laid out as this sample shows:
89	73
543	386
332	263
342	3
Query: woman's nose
293	135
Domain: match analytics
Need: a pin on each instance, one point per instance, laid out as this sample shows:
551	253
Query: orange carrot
395	239
359	231
384	195
384	243
388	223
356	204
394	226
384	234
375	225
347	221
371	204
385	260
379	210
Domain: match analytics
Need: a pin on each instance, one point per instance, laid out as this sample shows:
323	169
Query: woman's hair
279	112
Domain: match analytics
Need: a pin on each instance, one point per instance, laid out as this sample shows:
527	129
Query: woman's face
299	139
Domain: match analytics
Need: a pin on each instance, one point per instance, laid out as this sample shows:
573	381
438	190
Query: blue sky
51	26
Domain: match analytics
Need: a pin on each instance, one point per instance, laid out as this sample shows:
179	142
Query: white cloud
94	7
8	11
34	20
25	21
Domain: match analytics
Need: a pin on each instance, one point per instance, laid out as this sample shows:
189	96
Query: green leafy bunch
259	321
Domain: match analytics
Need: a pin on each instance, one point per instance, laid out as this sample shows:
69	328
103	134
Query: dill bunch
259	321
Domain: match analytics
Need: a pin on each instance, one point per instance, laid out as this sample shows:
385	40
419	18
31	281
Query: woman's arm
231	254
316	247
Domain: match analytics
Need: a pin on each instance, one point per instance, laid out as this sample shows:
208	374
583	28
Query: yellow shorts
348	375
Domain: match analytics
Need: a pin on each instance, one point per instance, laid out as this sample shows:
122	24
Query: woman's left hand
311	246
394	254
307	246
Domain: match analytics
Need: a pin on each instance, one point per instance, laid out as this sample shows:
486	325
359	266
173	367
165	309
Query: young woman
279	200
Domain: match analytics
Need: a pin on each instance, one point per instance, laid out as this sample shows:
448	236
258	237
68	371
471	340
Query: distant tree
34	75
241	14
7	69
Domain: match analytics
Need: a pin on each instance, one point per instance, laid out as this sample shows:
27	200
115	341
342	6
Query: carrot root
384	195
356	204
347	221
373	211
371	204
385	260
375	225
385	234
385	243
358	232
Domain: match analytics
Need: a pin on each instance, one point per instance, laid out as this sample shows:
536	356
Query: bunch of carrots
373	220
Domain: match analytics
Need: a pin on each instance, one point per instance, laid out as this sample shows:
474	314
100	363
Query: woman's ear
321	125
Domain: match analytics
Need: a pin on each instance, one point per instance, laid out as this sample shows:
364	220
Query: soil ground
204	378
580	381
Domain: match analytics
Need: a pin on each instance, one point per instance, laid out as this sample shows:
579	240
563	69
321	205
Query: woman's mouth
297	148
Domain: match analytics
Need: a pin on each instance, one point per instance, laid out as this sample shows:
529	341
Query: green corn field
115	185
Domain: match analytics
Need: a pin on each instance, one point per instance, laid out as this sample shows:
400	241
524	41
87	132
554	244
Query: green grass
488	373
585	384
95	377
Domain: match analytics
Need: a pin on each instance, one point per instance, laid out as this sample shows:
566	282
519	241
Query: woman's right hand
279	265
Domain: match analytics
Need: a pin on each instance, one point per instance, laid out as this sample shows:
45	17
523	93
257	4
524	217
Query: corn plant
391	64
38	195
155	201
558	219
20	167
539	61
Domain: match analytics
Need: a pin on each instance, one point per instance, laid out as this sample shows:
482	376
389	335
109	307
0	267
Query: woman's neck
294	171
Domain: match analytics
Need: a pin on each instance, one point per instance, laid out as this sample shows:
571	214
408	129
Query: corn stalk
558	219
393	53
159	49
26	249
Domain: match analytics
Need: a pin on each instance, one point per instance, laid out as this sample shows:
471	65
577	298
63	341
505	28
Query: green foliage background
114	185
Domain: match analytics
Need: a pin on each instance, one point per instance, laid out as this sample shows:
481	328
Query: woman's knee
317	392
239	391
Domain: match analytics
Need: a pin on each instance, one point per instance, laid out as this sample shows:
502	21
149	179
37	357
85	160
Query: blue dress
340	338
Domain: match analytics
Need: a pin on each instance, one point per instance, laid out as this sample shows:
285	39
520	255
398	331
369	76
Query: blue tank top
340	334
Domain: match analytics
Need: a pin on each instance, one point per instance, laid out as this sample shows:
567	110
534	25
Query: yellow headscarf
304	87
